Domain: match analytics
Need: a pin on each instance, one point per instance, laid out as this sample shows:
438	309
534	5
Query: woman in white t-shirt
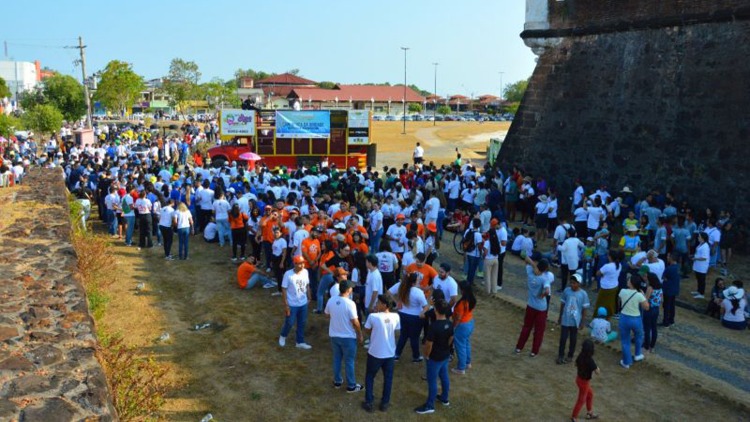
701	263
610	276
632	302
733	309
183	220
411	303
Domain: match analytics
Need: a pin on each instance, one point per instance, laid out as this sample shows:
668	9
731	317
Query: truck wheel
218	162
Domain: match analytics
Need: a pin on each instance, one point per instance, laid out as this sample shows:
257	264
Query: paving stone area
48	367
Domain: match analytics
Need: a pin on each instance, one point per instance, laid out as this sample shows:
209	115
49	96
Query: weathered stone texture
664	108
48	368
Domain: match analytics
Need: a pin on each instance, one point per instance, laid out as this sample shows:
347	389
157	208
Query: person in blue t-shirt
573	304
539	282
670	289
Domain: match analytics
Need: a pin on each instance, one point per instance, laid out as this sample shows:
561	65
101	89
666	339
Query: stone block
51	410
7	332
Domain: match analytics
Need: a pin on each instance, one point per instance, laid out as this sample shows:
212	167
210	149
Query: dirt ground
236	371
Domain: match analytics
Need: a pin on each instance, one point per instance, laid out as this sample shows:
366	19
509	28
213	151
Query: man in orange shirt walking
311	254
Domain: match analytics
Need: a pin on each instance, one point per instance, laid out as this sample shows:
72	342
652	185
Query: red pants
536	320
585	394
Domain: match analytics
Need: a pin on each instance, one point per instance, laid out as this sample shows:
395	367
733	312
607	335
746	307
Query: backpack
494	243
125	206
467	243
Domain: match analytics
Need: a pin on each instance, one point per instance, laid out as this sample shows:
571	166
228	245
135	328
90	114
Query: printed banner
303	124
236	122
359	127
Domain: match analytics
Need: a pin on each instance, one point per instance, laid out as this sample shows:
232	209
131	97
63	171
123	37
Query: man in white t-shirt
205	199
418	154
344	331
431	208
295	289
396	235
373	283
381	327
446	283
221	208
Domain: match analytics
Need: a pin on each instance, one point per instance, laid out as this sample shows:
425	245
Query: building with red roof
379	98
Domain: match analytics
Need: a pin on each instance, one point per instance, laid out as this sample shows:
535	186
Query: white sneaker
304	346
699	296
638	358
694	293
277	293
282	341
498	288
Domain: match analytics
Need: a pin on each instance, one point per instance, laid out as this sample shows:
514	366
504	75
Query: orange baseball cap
299	259
431	226
400	217
494	222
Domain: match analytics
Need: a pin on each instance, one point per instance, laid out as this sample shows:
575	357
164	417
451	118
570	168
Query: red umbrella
250	156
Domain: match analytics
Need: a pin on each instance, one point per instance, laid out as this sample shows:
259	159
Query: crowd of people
370	240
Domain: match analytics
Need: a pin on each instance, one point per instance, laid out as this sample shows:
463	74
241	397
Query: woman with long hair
183	220
654	296
238	225
610	275
586	367
463	324
411	303
632	302
253	225
733	306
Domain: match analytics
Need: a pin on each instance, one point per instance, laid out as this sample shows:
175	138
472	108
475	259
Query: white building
20	76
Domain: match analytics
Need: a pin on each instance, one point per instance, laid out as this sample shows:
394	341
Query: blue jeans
411	327
627	324
344	349
375	238
325	284
473	262
434	370
298	314
129	231
111	222
182	242
462	341
255	278
224	231
373	366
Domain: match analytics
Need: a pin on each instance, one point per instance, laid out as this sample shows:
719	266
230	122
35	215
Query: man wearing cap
295	288
396	235
373	284
345	332
573	304
381	327
654	264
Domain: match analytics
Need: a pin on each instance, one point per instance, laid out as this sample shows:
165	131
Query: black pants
564	333
239	238
204	216
701	278
144	223
500	260
565	273
582	229
669	309
256	248
167	233
277	271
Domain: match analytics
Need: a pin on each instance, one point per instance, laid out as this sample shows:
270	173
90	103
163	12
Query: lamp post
389	106
372	104
350	102
309	102
501	85
405	50
337	102
434	108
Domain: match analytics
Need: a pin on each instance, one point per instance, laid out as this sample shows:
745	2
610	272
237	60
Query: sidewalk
697	349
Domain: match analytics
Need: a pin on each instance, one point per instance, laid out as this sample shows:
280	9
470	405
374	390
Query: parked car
390	118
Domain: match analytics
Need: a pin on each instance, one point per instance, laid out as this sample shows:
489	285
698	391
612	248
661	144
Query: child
588	261
586	369
601	330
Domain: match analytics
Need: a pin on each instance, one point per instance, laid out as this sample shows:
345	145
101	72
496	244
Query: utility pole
82	49
434	100
405	50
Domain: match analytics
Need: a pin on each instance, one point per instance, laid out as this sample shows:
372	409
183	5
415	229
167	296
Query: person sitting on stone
248	275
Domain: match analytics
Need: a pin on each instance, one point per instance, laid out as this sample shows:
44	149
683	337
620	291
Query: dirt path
236	371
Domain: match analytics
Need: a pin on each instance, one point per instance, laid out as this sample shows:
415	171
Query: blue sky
336	40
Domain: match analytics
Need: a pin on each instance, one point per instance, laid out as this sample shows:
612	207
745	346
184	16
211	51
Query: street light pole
405	50
501	84
434	108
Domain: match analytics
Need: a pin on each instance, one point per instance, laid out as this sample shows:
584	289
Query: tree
294	71
182	83
326	85
62	91
9	124
444	109
415	108
120	87
4	90
514	92
67	95
43	118
217	93
420	91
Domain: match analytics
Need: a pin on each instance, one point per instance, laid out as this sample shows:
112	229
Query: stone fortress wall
48	367
652	94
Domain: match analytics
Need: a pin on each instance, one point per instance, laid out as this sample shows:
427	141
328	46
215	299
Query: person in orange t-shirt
311	254
238	224
425	273
357	243
248	275
463	326
266	237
